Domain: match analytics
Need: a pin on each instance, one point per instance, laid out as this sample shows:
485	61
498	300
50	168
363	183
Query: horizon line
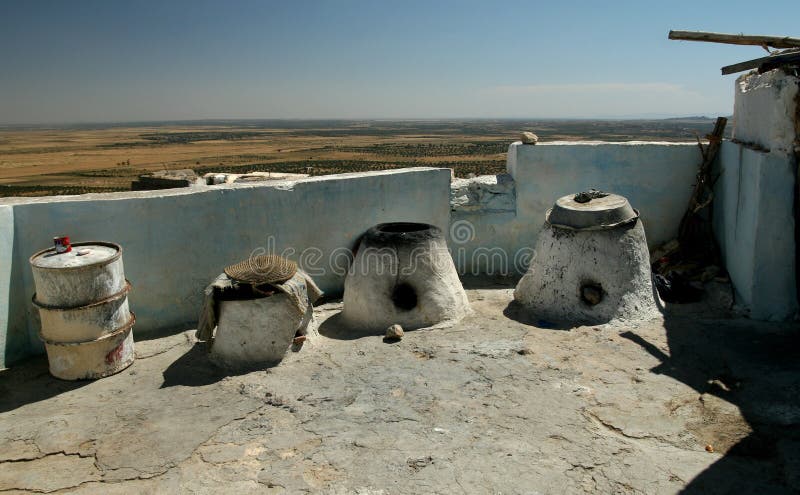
642	117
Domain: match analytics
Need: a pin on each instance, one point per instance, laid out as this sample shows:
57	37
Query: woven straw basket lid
264	269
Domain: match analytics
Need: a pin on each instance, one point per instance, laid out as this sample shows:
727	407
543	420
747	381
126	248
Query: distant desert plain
78	159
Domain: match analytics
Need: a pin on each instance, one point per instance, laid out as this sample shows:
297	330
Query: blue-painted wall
175	242
754	225
656	178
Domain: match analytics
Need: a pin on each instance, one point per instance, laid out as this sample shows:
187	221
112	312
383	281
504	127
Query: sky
124	61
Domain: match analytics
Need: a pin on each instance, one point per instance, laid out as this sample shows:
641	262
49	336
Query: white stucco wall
755	196
177	241
765	111
6	248
656	178
754	225
482	237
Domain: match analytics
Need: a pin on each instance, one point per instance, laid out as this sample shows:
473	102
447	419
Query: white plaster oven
402	273
591	264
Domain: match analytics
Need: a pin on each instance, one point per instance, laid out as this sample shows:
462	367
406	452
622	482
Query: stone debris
417	464
394	332
487	193
166	179
528	137
217	178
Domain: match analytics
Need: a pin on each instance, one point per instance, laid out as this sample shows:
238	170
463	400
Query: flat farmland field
49	160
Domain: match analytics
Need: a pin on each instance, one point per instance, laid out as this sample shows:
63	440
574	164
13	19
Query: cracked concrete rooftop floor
692	401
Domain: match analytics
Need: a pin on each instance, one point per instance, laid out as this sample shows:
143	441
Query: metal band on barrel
124	328
116	295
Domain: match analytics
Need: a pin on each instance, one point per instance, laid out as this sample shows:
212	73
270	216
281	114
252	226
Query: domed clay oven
402	273
591	263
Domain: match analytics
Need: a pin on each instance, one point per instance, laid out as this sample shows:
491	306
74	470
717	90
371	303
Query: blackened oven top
400	234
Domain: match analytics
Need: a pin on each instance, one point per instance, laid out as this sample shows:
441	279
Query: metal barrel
92	359
82	298
68	280
87	322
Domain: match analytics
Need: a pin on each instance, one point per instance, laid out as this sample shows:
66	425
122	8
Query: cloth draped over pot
224	287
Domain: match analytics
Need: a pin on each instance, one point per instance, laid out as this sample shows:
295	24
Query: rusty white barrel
82	296
88	360
84	323
70	279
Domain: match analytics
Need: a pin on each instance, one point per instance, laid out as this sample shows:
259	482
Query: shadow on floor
160	333
334	328
193	369
29	382
756	367
517	312
471	282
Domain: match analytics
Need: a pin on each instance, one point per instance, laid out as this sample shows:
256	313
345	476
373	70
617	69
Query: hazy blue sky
76	61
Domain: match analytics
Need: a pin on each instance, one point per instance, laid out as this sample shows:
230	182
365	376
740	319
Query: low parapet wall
175	242
6	276
656	178
491	237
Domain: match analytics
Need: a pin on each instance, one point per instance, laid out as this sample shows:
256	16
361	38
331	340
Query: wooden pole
763	63
736	39
694	232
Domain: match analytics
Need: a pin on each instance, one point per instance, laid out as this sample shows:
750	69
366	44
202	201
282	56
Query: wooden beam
771	62
695	235
743	66
787	59
736	39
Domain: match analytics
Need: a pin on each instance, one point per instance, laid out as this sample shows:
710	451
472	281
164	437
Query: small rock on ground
394	332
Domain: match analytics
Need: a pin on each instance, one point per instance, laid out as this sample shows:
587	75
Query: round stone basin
602	213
